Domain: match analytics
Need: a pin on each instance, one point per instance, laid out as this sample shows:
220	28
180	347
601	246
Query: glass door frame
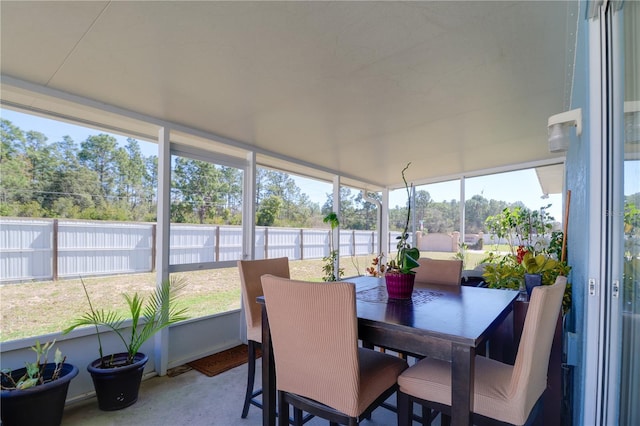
603	304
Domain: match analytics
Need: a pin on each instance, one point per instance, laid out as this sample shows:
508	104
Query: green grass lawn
36	308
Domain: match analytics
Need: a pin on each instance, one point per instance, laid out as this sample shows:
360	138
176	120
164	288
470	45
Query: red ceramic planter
399	286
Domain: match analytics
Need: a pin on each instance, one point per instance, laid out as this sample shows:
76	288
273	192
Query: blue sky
515	186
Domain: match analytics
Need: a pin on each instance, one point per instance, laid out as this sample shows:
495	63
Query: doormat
222	361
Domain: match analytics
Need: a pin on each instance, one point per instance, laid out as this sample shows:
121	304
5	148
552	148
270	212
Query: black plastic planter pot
117	386
531	281
41	405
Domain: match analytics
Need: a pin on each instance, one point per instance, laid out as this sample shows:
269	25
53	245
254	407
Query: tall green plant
159	312
531	229
406	257
329	267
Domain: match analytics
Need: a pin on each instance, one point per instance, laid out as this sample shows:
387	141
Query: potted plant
329	267
400	276
534	252
35	394
535	266
116	377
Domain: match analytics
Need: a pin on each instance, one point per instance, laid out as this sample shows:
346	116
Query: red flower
520	253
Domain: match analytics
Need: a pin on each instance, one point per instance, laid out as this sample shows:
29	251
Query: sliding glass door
615	397
629	384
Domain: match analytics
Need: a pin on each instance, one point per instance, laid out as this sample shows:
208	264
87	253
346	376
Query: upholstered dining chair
319	367
251	287
439	271
503	394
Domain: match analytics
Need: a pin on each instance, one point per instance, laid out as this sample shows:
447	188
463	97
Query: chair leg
283	410
297	416
251	376
404	410
426	416
445	420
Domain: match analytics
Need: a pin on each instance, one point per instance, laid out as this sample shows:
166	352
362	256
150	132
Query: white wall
188	341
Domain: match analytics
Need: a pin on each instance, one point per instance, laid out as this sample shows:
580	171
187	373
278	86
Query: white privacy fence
48	249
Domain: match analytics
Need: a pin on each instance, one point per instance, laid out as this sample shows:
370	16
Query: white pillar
336	232
248	225
462	209
161	339
249	208
384	226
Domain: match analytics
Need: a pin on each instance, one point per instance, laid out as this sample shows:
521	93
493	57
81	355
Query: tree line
98	179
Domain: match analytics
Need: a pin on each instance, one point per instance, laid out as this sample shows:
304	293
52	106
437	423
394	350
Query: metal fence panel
284	242
357	242
346	243
230	245
86	248
365	242
99	248
260	241
26	250
315	243
191	244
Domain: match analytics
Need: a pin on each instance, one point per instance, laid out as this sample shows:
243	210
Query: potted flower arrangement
399	275
116	377
35	394
535	252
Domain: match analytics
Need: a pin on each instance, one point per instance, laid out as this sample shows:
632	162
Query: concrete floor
193	399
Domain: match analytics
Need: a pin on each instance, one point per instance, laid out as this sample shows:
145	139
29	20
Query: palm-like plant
160	311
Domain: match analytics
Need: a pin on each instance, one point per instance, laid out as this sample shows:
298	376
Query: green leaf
58	358
26	384
411	257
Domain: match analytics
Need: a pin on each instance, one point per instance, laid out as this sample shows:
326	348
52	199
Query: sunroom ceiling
359	88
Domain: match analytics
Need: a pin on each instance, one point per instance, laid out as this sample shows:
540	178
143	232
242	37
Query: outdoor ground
32	309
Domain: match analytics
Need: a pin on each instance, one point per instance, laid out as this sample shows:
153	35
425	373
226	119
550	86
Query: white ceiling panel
359	88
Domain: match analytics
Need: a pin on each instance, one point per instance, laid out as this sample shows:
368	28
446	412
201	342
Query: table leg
462	372
268	374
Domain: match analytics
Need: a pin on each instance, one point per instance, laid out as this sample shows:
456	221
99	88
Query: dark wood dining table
443	322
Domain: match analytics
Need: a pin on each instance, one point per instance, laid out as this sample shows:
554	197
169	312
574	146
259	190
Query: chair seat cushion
430	379
378	372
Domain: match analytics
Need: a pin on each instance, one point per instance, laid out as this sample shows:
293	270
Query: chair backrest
315	340
251	287
529	378
437	271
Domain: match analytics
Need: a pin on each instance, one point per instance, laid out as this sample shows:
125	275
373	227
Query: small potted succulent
116	377
36	393
399	275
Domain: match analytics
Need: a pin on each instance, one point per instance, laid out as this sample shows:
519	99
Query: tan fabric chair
503	394
436	271
319	366
251	286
